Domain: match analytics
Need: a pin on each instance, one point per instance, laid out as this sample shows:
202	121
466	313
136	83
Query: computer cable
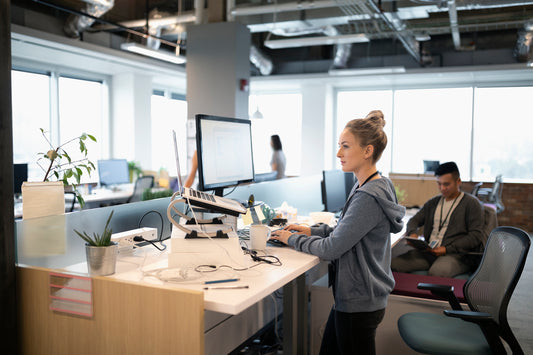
160	217
160	239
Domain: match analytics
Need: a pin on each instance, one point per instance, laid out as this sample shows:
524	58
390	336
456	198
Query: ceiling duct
76	24
258	59
522	50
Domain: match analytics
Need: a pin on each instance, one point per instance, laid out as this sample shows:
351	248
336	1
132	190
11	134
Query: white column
131	121
317	128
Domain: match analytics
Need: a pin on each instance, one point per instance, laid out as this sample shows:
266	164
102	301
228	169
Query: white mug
259	235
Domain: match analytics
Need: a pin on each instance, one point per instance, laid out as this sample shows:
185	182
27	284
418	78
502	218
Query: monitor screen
20	174
113	172
336	187
224	151
430	166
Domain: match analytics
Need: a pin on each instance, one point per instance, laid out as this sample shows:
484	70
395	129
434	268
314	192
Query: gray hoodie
359	246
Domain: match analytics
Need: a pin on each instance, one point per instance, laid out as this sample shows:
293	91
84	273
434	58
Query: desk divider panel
128	319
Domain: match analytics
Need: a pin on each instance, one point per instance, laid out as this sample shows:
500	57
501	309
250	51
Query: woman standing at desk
359	246
278	160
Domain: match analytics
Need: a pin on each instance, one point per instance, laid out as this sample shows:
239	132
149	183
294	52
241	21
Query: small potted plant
60	165
101	252
134	170
46	197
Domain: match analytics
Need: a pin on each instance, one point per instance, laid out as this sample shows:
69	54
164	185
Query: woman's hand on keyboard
297	228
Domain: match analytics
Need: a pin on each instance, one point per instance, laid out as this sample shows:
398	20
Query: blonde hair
369	131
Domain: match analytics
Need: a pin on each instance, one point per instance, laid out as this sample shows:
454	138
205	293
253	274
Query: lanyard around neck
368	179
441	222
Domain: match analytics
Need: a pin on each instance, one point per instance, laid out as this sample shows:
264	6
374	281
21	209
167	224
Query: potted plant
58	163
135	170
100	251
46	197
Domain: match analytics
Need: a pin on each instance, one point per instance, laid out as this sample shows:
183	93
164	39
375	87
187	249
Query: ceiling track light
367	71
149	52
316	41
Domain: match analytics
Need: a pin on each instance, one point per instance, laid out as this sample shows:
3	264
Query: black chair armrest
486	323
475	317
444	292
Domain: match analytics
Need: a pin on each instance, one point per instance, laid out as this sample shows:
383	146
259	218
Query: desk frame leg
295	309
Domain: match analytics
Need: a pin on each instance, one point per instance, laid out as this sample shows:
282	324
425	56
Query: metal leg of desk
295	304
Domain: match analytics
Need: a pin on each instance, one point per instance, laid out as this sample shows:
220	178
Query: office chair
487	292
142	183
70	201
475	189
493	195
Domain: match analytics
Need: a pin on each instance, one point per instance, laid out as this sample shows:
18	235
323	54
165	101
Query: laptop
202	199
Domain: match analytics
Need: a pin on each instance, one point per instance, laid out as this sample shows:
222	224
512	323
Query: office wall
8	317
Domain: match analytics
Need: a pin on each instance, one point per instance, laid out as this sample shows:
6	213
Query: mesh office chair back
142	183
491	286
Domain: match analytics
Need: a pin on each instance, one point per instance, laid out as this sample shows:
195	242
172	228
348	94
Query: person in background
359	246
278	161
192	173
453	226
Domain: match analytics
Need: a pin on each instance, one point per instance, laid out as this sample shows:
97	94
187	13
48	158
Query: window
65	108
357	104
432	124
502	133
282	115
169	112
27	119
82	109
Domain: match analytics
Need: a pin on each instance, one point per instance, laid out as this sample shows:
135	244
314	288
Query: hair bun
376	116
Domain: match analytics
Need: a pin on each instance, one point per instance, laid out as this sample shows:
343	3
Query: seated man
453	226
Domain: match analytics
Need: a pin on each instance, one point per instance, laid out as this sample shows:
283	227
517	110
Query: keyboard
213	202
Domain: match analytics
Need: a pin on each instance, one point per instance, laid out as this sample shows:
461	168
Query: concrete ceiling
298	36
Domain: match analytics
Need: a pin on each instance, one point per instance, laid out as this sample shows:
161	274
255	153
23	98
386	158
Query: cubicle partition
303	193
131	316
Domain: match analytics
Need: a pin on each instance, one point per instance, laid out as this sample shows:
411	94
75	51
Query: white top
261	280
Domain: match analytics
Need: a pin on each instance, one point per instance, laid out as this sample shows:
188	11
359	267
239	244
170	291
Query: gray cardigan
465	228
360	246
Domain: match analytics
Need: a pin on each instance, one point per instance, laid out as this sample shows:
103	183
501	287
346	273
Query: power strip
126	238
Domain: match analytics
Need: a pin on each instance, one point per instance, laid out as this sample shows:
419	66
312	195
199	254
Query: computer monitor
430	166
113	172
20	174
336	187
224	152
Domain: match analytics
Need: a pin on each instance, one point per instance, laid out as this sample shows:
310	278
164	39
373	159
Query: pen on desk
225	287
220	281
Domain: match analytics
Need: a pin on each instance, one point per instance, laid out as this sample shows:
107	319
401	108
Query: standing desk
224	305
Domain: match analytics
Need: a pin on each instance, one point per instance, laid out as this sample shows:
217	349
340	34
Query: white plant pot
101	261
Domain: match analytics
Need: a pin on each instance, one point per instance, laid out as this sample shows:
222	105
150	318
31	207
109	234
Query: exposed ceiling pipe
199	6
76	24
262	63
454	25
522	50
409	42
276	8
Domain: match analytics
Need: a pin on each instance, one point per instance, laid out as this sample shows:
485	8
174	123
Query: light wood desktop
142	292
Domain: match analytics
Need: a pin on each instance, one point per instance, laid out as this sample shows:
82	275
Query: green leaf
80	199
67	156
91	137
83	148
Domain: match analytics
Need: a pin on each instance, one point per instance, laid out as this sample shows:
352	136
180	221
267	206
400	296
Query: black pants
351	333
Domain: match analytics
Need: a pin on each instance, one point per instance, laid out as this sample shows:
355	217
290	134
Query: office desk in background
105	197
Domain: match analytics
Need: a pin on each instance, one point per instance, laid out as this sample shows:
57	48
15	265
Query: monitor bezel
219	187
